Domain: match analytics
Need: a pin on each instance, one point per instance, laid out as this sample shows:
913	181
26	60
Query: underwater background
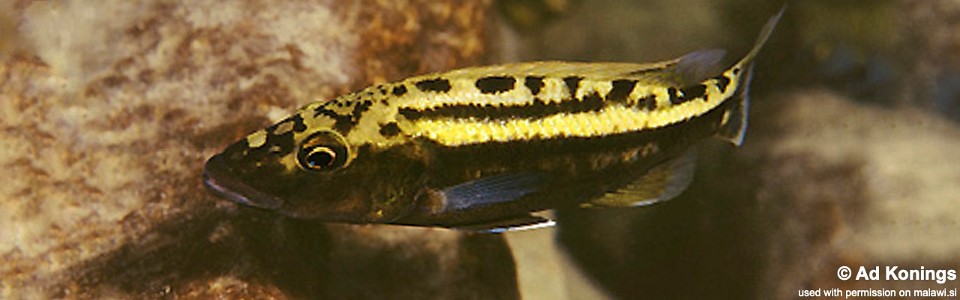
110	108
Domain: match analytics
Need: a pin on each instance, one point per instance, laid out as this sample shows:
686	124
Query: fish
492	148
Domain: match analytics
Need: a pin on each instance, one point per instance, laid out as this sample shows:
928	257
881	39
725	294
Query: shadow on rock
250	253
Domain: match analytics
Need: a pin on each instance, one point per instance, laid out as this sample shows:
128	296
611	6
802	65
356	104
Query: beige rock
856	185
110	108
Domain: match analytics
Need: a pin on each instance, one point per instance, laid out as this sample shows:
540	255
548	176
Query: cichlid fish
486	148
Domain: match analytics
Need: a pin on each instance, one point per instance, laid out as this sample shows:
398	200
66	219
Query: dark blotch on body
298	125
414	114
342	123
722	82
282	142
439	85
590	102
495	84
572	82
537	109
390	129
534	83
399	90
693	92
674	98
621	90
360	108
649	102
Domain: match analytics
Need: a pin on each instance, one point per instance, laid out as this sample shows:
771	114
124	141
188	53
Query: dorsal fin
699	65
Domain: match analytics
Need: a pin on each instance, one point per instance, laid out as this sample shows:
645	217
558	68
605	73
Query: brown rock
109	110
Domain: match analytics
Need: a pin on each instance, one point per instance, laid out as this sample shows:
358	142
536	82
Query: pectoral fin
490	190
663	182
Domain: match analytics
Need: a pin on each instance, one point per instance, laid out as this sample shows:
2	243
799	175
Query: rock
110	109
856	185
849	170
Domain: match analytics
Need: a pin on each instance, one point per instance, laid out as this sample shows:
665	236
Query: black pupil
320	157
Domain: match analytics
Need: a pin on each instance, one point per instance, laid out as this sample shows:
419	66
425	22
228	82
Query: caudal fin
734	125
747	60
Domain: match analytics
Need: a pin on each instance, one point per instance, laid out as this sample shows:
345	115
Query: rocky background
108	110
850	158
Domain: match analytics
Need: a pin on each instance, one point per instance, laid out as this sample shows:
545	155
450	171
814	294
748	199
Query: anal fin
663	182
518	223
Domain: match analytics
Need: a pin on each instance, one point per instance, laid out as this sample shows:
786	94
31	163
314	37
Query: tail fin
734	126
762	38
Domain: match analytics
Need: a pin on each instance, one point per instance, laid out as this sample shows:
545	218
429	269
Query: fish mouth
219	180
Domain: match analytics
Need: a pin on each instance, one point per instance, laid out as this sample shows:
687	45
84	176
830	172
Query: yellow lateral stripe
610	120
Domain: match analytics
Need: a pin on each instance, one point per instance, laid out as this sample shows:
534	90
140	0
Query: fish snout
219	177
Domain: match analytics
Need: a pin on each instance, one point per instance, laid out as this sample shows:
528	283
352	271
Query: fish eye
320	157
323	151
